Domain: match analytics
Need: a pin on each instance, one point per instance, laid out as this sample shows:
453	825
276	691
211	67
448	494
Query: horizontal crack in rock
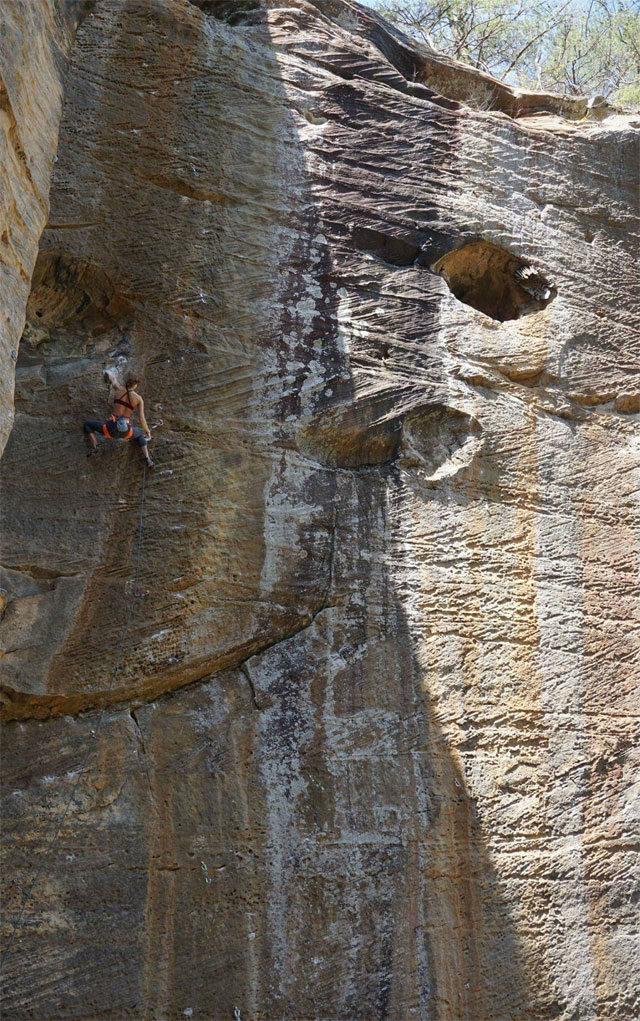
17	705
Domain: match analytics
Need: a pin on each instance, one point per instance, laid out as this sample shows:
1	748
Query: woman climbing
118	425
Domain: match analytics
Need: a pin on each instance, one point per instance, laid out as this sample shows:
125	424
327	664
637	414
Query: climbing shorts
93	425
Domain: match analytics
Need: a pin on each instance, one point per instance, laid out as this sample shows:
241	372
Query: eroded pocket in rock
440	440
356	436
494	281
388	248
65	291
435	438
233	12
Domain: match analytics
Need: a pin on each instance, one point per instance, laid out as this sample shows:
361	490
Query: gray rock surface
372	749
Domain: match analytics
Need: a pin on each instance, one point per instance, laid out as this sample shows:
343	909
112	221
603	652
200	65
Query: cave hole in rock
494	281
67	294
233	12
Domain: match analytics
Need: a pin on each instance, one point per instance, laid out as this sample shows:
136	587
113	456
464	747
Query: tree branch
528	46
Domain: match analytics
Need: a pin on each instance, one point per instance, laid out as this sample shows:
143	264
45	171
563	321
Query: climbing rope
92	736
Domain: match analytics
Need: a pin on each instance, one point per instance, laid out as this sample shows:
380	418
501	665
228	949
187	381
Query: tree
579	47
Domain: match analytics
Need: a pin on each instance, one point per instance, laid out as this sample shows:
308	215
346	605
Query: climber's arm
143	421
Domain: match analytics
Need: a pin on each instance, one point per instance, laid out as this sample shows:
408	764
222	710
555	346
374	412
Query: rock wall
371	749
34	46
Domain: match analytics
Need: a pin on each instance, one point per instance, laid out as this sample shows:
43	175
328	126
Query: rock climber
118	425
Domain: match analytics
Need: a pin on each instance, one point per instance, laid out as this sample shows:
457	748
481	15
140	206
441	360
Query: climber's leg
90	428
141	438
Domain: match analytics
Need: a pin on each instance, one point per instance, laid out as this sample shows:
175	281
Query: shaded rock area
34	47
371	751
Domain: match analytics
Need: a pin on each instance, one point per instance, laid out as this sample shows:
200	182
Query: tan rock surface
372	751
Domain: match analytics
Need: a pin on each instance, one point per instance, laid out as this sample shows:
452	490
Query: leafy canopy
579	47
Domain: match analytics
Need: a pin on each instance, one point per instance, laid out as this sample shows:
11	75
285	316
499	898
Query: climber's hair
131	380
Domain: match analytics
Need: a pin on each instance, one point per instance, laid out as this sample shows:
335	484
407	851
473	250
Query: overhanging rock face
370	752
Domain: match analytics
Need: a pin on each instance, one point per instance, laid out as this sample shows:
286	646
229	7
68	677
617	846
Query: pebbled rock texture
371	750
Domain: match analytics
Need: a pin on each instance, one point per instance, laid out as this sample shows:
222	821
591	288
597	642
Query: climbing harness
122	426
92	735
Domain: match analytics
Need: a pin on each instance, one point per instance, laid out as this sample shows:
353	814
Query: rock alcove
434	438
68	294
494	281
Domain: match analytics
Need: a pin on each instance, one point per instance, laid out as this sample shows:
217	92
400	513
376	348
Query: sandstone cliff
372	750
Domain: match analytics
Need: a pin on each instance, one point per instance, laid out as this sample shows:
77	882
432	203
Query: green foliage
579	47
